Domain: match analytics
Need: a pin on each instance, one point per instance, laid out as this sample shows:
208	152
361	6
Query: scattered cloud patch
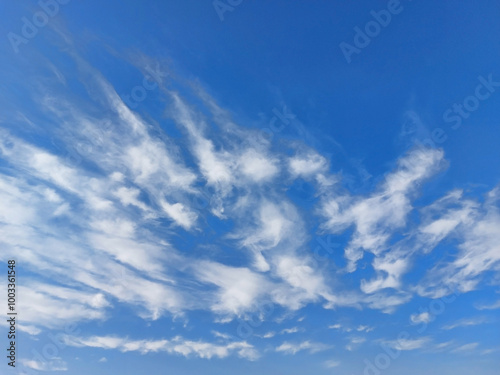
424	317
408	344
466	323
177	346
293	348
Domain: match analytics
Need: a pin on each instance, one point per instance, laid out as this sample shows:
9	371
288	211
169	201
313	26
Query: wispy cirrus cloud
467	348
492	306
293	348
355	342
120	220
478	253
424	317
177	346
55	364
408	344
331	363
466	323
376	217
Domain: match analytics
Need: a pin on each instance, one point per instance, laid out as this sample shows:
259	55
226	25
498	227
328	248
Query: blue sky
253	187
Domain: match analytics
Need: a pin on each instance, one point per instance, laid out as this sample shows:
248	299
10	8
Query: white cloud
148	161
274	227
331	363
179	213
299	274
129	196
355	342
177	345
335	326
221	335
54	364
489	351
268	335
104	223
50	306
102	229
443	345
29	329
479	252
377	216
362	328
239	288
236	164
424	317
120	239
359	328
408	344
387	303
307	164
466	323
293	348
466	348
492	306
290	330
257	167
442	218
